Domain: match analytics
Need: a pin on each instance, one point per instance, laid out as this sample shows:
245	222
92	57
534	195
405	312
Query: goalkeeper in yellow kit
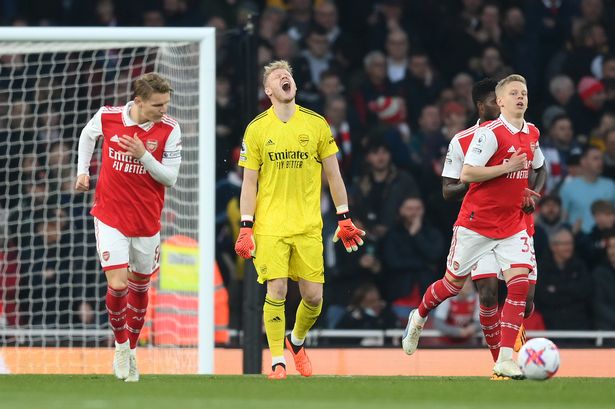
283	153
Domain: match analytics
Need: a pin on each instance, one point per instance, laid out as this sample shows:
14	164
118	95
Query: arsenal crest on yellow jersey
303	139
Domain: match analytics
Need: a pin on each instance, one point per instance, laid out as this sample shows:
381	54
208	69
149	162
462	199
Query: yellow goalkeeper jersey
288	157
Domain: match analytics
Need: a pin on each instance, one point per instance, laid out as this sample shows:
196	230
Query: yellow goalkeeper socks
306	317
275	325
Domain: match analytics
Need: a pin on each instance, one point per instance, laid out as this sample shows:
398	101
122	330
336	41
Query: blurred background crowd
393	78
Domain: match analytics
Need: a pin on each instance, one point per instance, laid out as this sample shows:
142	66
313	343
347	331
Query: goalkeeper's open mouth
285	86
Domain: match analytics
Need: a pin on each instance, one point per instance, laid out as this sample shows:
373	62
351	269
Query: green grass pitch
318	392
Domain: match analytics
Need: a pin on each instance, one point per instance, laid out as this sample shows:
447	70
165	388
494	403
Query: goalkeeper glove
245	246
348	233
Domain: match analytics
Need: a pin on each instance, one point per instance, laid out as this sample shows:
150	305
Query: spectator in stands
343	46
368	311
549	220
228	132
454	118
427	142
604	289
393	128
381	190
557	145
518	45
462	87
608	79
561	89
592	246
457	317
375	84
564	290
346	136
589	41
105	14
284	47
599	131
44	288
270	24
397	49
587	107
299	18
549	24
421	87
411	250
578	193
387	16
488	30
330	84
491	65
152	17
609	154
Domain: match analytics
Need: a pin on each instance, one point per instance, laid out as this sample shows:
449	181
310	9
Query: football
538	359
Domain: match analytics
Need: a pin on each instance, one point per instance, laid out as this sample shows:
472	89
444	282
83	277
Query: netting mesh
51	284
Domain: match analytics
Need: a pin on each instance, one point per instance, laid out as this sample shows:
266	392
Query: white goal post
199	87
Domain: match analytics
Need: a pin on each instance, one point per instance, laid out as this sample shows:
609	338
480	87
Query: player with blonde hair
283	153
491	219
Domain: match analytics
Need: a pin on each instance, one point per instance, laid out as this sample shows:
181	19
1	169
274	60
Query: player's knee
143	278
117	279
488	295
313	300
453	279
277	288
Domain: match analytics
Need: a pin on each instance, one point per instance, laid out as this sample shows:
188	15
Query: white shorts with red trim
468	248
140	254
533	275
486	267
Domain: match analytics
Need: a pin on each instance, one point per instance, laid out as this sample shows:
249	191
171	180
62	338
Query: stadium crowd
394	79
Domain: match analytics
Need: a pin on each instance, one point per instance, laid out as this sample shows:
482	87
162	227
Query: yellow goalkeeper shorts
295	257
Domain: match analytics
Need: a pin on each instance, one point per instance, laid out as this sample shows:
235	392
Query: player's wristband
343	216
246	223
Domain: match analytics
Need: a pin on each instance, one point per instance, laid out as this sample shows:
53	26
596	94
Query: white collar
146	126
513	129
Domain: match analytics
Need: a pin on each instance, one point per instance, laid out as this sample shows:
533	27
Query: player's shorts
295	257
488	266
469	247
533	275
140	254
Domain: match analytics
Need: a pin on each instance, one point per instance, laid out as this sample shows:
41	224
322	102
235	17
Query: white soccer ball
538	359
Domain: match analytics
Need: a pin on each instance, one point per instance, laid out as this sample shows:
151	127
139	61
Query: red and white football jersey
493	208
127	197
457	148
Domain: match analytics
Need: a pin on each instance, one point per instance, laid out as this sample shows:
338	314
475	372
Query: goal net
52	289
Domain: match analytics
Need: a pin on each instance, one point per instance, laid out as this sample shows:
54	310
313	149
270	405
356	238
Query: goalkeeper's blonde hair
276	65
511	78
150	83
